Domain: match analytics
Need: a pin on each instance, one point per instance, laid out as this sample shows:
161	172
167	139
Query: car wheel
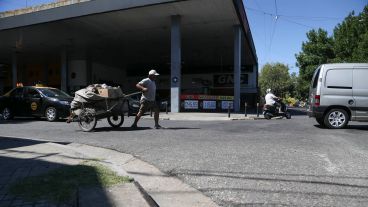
320	121
51	114
336	119
7	114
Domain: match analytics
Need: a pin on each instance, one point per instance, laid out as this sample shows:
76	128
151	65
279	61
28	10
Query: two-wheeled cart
111	108
92	104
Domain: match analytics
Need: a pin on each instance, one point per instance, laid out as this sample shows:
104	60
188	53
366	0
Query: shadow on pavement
122	129
297	111
20	168
179	128
13	142
354	127
319	126
17	121
358	127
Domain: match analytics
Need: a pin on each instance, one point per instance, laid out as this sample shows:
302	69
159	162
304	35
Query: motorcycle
279	110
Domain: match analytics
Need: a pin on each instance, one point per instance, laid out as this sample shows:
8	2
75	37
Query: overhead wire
300	24
273	30
311	18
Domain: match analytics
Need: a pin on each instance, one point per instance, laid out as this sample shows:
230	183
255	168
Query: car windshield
53	93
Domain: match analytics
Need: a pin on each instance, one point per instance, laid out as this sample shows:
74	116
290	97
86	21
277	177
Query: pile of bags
96	93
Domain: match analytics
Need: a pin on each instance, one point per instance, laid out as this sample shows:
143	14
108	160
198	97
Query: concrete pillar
14	70
237	66
175	63
255	76
64	70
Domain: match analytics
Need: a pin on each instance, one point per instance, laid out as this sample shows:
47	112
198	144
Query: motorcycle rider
272	100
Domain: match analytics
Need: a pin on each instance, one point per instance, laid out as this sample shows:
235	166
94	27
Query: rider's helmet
268	90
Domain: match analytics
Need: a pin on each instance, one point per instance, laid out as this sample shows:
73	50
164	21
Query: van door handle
351	102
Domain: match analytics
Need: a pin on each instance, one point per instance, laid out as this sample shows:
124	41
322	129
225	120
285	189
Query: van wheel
320	121
336	119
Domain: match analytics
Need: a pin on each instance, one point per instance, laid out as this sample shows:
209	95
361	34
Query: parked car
339	94
35	101
134	104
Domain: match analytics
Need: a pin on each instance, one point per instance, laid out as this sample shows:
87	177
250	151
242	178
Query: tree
350	38
348	44
275	76
317	50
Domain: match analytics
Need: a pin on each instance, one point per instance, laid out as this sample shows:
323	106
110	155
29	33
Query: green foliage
275	76
349	43
317	50
290	101
350	38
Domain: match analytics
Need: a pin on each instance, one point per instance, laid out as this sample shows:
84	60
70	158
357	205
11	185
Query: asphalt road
238	163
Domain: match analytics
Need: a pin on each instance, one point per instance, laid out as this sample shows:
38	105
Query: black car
134	104
35	101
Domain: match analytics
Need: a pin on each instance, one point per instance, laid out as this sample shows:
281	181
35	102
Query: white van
339	94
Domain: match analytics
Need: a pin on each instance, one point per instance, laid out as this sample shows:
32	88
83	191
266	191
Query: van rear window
315	79
339	78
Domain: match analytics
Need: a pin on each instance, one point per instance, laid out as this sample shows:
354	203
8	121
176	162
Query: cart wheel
116	120
87	119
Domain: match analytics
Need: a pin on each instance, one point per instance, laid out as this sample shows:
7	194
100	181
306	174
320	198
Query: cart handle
131	94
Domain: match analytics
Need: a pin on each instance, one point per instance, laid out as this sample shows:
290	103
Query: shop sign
225	104
203	97
206	97
225	98
190	104
227	80
209	104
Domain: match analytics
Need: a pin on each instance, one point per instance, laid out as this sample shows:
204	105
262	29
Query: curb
214	119
146	196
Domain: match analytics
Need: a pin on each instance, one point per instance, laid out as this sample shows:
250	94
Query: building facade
200	47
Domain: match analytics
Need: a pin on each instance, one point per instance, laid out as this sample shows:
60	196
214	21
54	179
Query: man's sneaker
158	127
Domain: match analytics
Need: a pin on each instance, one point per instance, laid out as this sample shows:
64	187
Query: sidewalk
22	158
198	116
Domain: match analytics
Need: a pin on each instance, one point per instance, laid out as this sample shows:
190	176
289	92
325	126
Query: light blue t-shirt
149	95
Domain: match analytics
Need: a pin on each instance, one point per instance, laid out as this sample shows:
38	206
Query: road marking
330	167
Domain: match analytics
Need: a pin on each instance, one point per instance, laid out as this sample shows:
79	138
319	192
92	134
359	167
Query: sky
6	5
279	27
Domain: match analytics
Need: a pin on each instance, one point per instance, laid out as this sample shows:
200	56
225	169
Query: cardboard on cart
111	92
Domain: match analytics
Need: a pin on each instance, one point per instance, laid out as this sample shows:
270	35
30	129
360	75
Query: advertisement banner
190	104
209	104
225	104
